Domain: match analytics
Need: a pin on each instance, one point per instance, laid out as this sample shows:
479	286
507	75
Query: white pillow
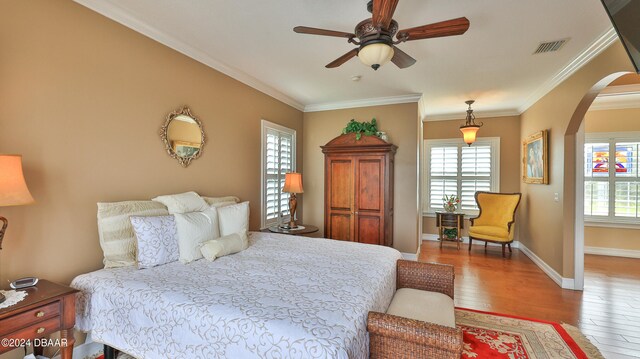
215	200
117	238
183	202
234	218
223	246
193	229
157	240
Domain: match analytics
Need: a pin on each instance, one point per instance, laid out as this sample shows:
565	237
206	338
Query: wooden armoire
358	189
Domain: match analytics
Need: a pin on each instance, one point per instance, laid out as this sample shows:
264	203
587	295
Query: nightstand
48	308
302	230
449	220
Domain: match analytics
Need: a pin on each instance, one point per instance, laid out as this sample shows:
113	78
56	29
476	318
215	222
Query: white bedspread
283	297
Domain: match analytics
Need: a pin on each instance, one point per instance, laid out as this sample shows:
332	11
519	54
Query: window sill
625	225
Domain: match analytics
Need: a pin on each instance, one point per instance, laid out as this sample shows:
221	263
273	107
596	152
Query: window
612	183
278	158
452	167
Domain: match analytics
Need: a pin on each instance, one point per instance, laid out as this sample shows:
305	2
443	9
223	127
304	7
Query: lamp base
2	298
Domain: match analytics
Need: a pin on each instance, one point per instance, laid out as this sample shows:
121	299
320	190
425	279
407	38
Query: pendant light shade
376	54
470	128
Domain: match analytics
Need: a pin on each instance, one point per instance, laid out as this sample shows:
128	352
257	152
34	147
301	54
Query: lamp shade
293	183
13	188
376	54
469	133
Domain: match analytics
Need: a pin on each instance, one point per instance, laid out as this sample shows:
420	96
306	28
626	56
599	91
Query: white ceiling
253	41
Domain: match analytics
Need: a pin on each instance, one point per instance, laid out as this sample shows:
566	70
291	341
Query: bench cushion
430	307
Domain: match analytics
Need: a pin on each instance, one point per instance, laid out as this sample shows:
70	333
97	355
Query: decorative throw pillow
183	202
157	240
234	218
193	229
218	201
225	245
117	238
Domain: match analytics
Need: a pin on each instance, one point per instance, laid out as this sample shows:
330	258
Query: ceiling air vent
550	46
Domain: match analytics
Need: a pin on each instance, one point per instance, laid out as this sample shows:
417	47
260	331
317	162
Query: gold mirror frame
184	111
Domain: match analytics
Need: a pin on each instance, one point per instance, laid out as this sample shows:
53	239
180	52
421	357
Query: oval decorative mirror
183	136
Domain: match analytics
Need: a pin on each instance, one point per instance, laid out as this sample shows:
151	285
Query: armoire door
369	199
340	193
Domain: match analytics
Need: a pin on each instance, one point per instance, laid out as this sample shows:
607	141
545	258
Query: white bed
283	297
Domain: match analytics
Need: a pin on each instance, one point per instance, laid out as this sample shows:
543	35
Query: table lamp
292	185
13	189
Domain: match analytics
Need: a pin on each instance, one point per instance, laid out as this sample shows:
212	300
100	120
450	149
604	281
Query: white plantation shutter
612	181
278	148
453	168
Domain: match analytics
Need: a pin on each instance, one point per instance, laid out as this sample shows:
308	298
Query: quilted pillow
193	229
183	202
117	238
234	218
157	240
226	245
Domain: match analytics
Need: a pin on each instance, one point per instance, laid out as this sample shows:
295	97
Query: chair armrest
430	277
415	331
473	219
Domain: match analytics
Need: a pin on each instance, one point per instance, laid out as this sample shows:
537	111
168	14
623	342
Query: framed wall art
535	158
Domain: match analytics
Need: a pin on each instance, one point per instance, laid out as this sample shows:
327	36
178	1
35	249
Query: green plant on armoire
368	128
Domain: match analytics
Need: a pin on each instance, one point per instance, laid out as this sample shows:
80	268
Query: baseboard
613	252
409	256
434	237
565	283
89	349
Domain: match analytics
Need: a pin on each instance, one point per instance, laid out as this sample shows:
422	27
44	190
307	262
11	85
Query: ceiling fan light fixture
376	54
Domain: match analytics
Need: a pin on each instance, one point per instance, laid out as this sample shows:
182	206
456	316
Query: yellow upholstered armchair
495	223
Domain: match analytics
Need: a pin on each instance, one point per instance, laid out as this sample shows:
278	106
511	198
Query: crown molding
599	45
478	114
117	14
619	90
616	102
617	98
379	101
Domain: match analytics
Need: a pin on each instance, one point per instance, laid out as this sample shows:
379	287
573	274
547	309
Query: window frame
494	142
264	127
610	220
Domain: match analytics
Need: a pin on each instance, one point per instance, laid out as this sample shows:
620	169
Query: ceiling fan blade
383	12
401	59
439	29
323	32
342	59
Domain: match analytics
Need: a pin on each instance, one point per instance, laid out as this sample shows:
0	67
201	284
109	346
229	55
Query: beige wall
82	98
507	128
546	226
622	120
401	123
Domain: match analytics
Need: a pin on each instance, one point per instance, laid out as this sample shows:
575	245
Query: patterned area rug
492	335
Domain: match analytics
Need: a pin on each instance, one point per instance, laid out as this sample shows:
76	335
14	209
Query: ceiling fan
374	36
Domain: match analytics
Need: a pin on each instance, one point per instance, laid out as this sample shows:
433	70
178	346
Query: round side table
302	230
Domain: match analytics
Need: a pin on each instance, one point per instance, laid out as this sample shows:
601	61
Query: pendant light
470	128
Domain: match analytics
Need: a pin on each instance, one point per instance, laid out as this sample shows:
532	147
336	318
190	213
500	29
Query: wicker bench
420	322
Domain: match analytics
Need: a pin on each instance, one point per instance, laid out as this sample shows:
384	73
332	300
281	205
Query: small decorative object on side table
301	230
48	308
450	227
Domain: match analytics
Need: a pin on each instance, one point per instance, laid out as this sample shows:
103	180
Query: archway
574	179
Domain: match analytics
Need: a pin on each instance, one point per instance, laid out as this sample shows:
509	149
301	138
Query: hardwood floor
608	311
